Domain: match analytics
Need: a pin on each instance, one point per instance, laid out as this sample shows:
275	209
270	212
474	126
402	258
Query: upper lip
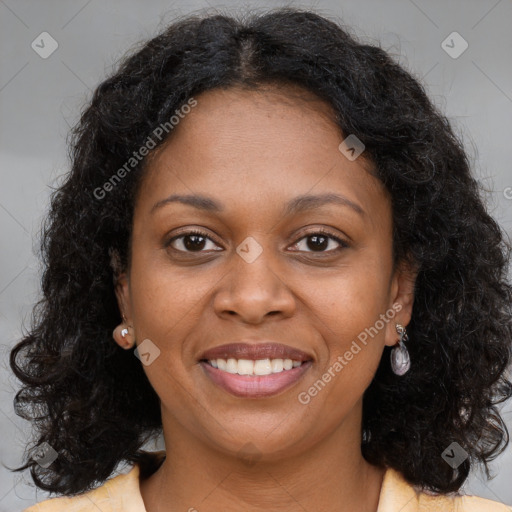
255	351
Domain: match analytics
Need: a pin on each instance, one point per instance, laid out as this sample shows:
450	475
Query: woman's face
260	272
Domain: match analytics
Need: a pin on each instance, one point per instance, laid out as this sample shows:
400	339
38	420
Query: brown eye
191	241
320	241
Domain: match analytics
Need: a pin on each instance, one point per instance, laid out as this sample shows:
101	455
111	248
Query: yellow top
122	494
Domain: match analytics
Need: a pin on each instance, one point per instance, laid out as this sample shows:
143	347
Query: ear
121	284
122	291
401	298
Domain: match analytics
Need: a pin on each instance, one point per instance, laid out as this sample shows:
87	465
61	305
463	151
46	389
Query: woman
305	292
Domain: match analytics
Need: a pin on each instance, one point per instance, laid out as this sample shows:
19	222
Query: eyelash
343	244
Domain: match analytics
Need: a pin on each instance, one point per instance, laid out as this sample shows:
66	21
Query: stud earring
400	359
125	332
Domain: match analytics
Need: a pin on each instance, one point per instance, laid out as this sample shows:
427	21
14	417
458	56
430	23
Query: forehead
232	120
247	145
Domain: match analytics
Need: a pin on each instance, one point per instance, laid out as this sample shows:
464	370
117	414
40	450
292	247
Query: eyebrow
298	204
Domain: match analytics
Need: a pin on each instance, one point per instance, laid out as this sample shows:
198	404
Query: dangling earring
400	360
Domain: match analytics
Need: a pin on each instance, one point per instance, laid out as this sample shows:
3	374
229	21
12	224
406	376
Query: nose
253	290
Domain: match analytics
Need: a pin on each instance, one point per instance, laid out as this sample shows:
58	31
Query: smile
249	367
260	378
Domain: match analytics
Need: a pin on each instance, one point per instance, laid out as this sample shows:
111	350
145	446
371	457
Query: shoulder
460	503
398	494
121	492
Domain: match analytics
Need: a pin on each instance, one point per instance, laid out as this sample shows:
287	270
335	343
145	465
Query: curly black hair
90	399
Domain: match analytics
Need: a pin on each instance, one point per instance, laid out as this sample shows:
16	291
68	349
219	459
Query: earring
125	333
400	360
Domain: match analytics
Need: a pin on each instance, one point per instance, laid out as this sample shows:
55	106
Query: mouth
255	371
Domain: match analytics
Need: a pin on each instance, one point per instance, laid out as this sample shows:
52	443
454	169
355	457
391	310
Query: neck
331	475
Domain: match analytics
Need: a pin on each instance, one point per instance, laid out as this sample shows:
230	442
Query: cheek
345	317
164	305
154	299
348	309
165	308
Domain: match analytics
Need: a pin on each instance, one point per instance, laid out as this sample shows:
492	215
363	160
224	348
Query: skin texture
253	151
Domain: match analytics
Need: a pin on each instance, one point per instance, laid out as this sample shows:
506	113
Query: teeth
245	367
232	366
250	367
277	365
262	367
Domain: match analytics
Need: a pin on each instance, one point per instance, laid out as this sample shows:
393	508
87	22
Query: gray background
41	98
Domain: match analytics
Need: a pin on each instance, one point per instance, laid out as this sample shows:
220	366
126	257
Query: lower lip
248	386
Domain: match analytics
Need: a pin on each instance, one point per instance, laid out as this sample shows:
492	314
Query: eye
197	241
321	240
191	241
